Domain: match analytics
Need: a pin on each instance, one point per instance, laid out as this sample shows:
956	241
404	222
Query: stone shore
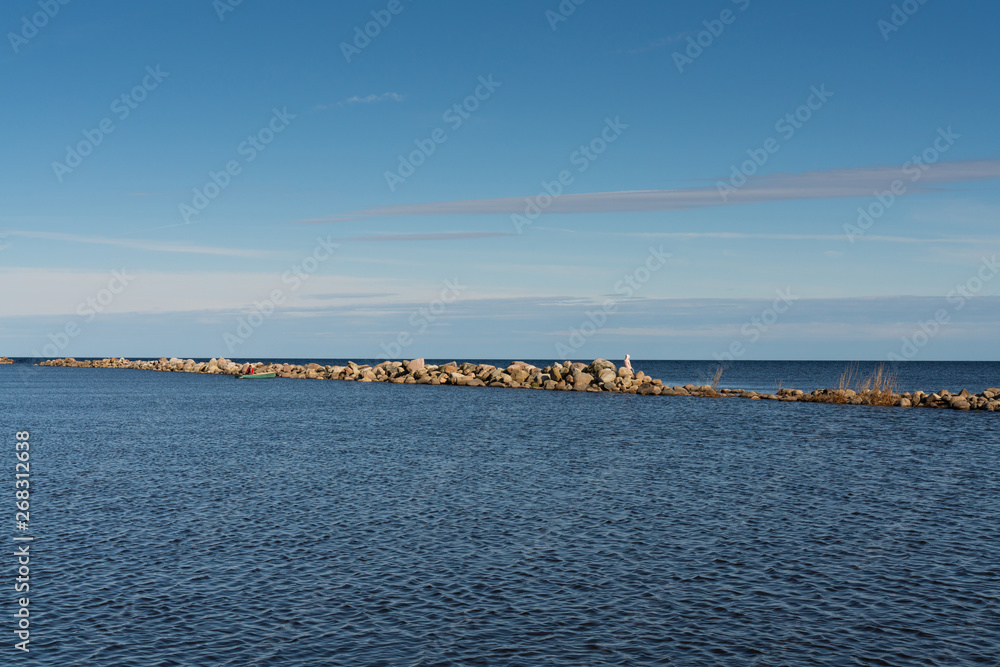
599	376
6	360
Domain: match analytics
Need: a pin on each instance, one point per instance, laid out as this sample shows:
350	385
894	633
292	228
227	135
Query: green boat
255	376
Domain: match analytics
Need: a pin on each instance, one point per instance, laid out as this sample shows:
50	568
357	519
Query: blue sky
805	114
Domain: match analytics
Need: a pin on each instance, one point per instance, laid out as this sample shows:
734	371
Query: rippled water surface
196	520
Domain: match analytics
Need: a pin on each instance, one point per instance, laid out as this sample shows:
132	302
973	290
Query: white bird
628	364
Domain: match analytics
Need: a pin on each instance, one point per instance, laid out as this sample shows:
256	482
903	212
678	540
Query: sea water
183	519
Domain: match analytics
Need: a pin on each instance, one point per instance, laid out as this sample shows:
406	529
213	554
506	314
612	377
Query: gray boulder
598	365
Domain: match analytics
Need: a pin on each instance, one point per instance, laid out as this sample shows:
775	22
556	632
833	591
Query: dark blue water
194	520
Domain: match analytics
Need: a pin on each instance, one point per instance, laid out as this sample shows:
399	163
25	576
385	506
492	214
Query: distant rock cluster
6	360
600	375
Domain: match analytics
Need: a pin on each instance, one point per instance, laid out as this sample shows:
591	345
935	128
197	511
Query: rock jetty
599	375
6	360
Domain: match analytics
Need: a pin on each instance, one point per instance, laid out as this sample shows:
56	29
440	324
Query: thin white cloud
777	237
60	291
441	236
802	237
814	331
833	183
154	246
371	99
357	99
656	45
349	295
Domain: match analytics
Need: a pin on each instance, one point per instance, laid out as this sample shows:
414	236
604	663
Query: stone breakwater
6	360
598	376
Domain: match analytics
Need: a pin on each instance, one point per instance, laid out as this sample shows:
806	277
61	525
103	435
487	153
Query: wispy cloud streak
357	99
144	245
833	183
799	237
441	236
369	99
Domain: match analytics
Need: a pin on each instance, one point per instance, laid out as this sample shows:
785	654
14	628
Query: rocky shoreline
600	375
6	360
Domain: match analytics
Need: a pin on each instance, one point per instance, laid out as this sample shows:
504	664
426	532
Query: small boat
255	376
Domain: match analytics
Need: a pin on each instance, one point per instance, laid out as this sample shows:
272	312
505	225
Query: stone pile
598	376
6	360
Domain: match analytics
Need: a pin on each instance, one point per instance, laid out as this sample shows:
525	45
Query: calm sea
182	519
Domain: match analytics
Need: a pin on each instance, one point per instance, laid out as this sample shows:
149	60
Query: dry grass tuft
848	378
880	387
713	382
717	376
